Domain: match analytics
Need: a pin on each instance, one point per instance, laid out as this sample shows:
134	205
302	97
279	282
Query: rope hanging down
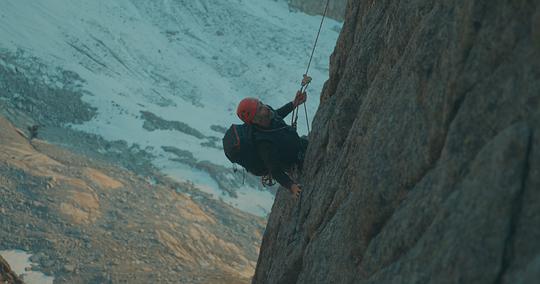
305	83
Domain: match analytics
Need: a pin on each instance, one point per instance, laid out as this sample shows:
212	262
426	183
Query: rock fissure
517	205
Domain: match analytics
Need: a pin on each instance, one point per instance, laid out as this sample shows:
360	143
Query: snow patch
19	261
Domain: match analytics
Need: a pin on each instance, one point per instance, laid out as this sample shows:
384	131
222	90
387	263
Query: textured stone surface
424	161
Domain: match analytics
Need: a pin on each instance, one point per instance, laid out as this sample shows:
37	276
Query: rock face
336	8
6	274
424	160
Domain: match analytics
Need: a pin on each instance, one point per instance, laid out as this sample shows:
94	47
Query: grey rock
37	257
47	263
153	122
424	161
218	128
530	273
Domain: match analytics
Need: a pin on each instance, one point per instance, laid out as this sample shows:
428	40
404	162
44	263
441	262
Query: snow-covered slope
185	62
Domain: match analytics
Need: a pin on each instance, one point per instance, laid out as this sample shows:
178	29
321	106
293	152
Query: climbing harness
267	180
306	79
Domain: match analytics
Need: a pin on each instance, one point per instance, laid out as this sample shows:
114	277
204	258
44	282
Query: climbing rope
317	38
305	82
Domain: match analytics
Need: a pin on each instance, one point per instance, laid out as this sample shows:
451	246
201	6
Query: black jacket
279	145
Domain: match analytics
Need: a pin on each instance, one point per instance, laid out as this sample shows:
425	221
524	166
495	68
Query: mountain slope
424	160
89	221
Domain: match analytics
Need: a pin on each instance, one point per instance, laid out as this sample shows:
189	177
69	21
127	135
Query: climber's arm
285	110
299	99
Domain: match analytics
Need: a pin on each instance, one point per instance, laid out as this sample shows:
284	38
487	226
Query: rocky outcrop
424	160
85	220
336	8
6	274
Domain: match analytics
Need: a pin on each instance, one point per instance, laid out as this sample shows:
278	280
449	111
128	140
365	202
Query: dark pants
302	153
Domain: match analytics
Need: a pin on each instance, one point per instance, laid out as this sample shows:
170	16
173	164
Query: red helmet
246	109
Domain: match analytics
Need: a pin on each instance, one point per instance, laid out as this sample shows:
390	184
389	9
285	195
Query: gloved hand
295	191
300	98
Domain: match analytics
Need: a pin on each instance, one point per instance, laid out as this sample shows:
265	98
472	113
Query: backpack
239	147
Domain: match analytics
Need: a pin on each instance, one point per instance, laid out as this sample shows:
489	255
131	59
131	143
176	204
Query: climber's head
253	111
247	108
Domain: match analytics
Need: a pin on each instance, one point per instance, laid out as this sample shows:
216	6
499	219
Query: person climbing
265	145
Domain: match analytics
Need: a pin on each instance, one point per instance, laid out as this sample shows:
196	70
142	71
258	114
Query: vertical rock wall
424	160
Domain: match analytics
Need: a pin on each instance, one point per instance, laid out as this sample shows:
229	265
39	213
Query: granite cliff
424	160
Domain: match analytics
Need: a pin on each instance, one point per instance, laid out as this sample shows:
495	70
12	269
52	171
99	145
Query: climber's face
263	116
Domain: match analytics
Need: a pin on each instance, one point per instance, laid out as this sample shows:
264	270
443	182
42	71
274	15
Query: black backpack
239	147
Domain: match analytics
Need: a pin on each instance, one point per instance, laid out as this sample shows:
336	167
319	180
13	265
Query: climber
275	146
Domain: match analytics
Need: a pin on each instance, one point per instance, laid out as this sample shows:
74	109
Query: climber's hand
306	80
295	191
300	98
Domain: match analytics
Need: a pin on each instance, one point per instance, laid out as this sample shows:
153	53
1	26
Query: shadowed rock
424	160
